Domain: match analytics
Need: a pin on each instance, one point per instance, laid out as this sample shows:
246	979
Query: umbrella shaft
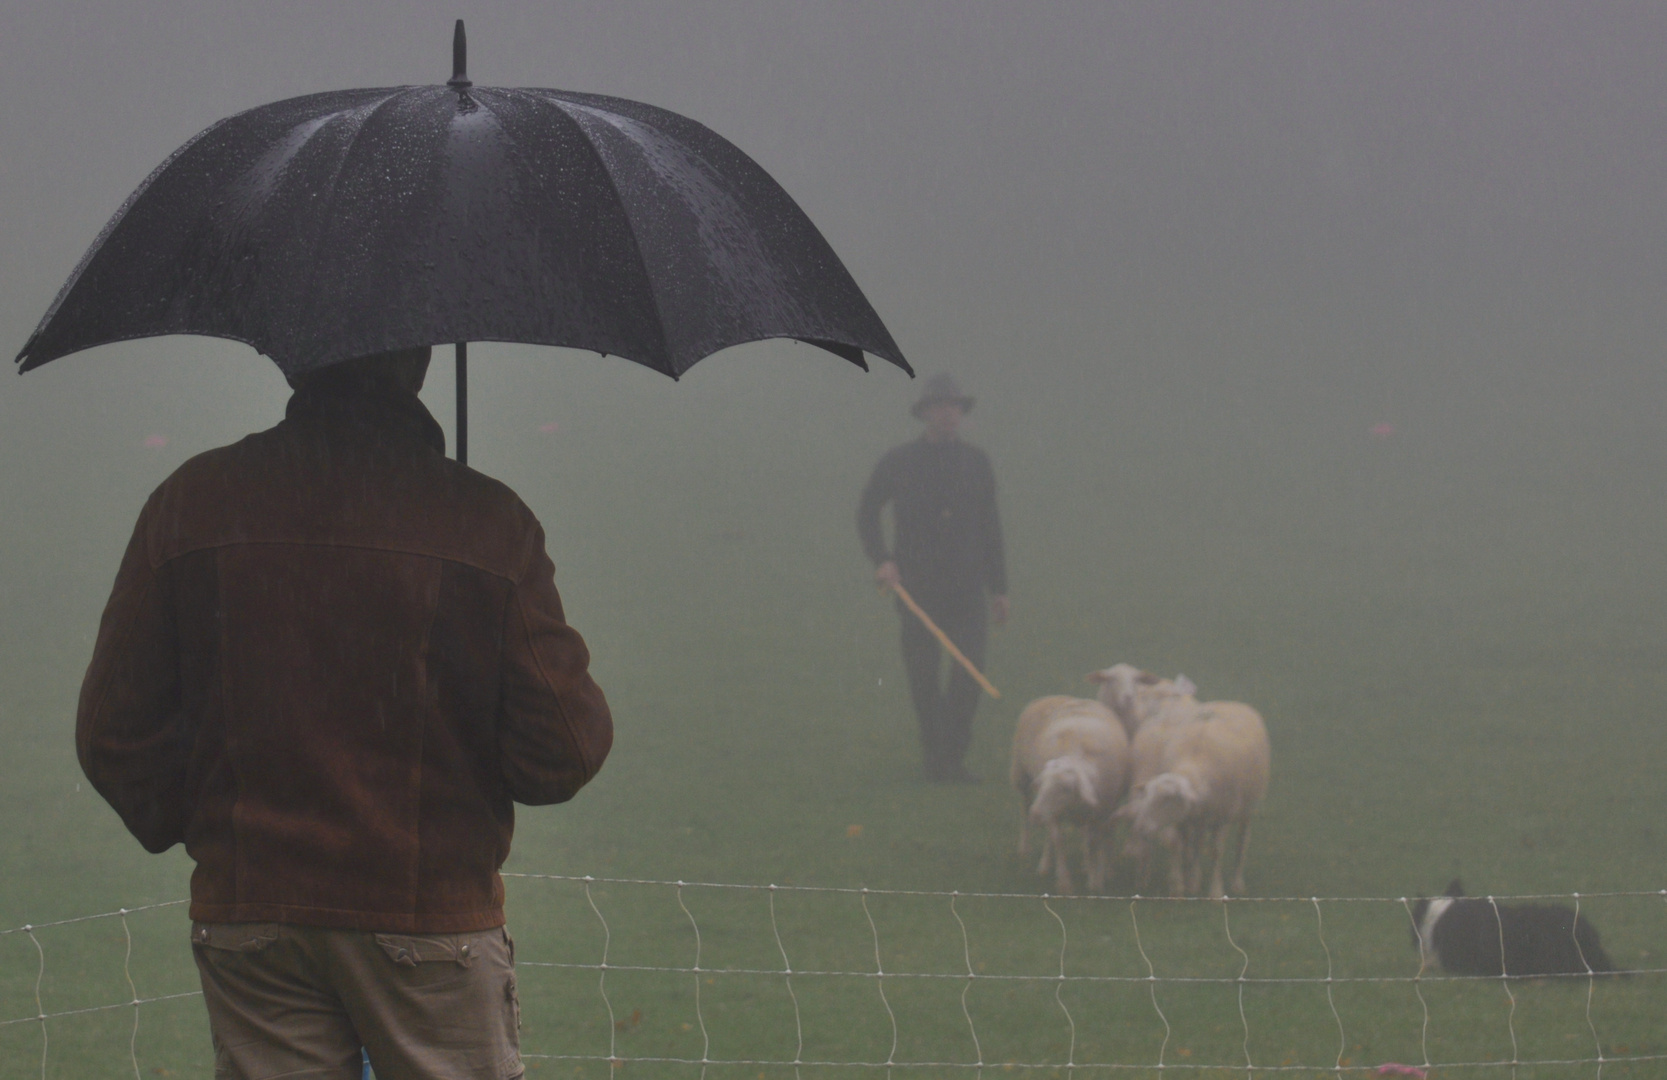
462	402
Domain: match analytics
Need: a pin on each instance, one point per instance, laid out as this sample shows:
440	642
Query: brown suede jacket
332	660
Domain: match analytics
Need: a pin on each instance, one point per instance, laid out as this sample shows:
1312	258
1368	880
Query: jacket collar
374	404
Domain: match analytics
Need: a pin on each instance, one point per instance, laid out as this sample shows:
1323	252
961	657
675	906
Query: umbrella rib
332	186
631	227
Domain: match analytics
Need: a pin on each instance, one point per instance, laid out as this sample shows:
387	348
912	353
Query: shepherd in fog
946	550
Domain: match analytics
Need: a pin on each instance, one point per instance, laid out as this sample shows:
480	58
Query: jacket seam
394	549
561	710
422	750
234	817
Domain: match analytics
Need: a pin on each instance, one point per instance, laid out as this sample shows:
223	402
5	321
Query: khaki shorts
298	1002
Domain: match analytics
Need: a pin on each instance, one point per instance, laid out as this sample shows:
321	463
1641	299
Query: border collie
1471	936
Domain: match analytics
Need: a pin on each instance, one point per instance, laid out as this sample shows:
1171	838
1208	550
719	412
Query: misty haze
1318	351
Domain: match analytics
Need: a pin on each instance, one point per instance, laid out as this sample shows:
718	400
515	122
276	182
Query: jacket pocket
235	937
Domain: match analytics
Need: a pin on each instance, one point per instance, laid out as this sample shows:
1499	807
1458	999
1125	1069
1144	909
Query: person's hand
887	576
998	609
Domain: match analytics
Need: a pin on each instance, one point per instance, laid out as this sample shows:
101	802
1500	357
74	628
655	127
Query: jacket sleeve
130	728
554	728
995	556
875	495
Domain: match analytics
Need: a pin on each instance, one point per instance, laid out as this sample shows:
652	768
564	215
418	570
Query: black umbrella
341	224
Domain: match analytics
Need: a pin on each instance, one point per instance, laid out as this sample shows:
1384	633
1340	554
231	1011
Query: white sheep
1148	707
1196	777
1140	697
1145	703
1148	756
1070	766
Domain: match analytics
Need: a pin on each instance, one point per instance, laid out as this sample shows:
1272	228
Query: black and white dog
1474	936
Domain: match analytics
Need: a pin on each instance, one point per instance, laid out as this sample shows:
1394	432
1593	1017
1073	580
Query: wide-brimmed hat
941	387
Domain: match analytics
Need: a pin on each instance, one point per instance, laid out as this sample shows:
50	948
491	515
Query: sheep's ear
1454	888
1146	678
1097	677
1123	813
1185	685
1085	788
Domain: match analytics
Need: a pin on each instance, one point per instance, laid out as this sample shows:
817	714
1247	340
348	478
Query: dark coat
331	661
947	532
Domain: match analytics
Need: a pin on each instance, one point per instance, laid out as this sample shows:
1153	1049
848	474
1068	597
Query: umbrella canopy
341	224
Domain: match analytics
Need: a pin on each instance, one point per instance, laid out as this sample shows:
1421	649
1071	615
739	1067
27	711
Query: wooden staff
909	602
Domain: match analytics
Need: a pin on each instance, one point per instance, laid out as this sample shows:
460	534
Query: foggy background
1186	257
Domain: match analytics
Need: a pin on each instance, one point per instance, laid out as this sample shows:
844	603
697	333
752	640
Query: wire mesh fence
716	980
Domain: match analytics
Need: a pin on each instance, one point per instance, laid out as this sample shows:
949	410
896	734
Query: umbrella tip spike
459	59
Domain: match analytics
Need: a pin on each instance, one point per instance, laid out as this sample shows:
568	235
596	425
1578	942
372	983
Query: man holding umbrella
332	661
948	554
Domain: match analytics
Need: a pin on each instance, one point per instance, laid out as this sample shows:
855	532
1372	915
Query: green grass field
1458	646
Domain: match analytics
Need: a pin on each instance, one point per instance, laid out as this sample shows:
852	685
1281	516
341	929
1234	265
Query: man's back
332	660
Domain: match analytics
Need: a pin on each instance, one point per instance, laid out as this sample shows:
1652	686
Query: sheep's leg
1177	883
1142	855
1024	833
1194	859
1189	858
1238	857
1050	842
1091	857
1056	844
1099	856
1111	851
1208	842
1217	854
1175	844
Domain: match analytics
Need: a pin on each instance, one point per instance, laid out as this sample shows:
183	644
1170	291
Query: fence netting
702	979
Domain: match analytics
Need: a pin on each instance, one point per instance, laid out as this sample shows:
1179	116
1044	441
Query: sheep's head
1137	696
1159	805
1117	687
1063	784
